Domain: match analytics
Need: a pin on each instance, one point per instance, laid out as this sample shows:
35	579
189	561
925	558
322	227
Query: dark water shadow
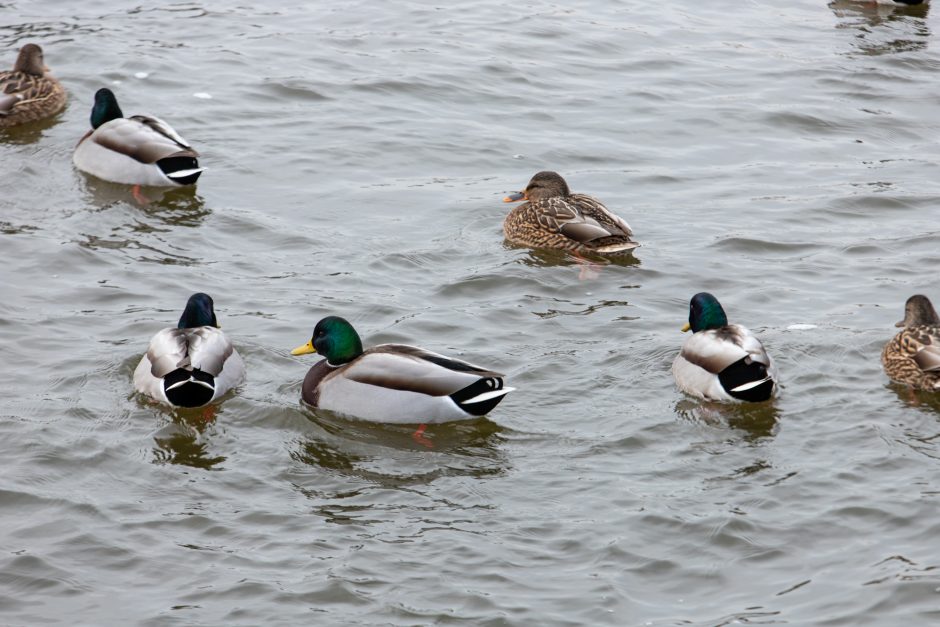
917	399
389	454
30	132
754	420
876	23
169	206
185	440
542	258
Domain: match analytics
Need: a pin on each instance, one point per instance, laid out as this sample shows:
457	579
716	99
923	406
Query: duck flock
194	364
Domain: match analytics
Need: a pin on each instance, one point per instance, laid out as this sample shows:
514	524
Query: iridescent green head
199	312
105	108
705	312
335	339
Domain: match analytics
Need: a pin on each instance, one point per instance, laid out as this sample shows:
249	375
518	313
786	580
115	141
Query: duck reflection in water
876	21
756	420
185	439
388	453
168	206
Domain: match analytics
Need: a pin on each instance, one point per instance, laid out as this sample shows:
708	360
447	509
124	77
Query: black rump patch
743	371
169	165
191	394
476	388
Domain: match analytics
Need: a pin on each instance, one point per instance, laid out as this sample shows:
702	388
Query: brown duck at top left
28	92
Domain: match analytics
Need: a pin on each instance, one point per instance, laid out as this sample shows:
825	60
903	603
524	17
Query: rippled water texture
782	155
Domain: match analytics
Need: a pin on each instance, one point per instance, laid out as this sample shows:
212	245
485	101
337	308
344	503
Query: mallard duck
28	92
393	383
193	364
139	150
913	355
721	361
553	217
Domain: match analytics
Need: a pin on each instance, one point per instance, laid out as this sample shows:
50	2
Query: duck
912	357
28	92
192	364
394	383
721	361
552	217
138	150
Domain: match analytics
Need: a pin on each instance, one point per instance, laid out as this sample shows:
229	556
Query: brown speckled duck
912	357
553	217
28	92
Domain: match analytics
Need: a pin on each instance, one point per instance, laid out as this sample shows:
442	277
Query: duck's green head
199	312
335	339
545	184
705	312
919	311
105	108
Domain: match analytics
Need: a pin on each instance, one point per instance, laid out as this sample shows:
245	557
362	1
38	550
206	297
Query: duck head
335	339
919	311
543	185
199	312
105	108
705	312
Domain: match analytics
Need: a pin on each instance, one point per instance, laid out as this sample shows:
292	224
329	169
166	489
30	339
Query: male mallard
139	150
913	355
553	217
393	383
721	361
28	92
193	364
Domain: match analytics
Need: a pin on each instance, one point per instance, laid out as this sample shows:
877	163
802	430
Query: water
781	157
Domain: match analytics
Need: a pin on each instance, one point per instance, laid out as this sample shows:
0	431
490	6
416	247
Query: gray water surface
780	155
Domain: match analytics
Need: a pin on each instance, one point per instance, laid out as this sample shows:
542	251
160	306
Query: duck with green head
136	150
553	217
721	361
912	357
192	364
28	92
393	383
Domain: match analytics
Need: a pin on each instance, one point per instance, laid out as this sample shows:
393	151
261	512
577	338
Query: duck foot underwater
418	436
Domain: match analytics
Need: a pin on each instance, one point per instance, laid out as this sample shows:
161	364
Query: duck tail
480	397
747	380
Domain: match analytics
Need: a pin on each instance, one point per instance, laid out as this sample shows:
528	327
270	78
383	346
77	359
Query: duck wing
20	87
927	355
412	369
143	138
202	348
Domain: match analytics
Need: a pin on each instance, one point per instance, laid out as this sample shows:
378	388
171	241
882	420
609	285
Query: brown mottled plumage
553	217
913	355
27	92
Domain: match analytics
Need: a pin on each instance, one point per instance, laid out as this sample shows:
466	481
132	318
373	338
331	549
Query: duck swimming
192	364
912	356
553	217
721	361
138	150
394	383
28	92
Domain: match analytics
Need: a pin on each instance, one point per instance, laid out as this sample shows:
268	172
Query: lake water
781	155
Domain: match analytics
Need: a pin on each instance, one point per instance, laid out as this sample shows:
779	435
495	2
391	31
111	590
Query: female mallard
139	150
28	92
553	217
193	364
393	383
913	355
721	361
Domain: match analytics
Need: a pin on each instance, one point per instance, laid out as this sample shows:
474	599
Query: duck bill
515	197
306	349
686	327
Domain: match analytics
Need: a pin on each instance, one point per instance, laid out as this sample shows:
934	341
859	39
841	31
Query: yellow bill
306	349
686	327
